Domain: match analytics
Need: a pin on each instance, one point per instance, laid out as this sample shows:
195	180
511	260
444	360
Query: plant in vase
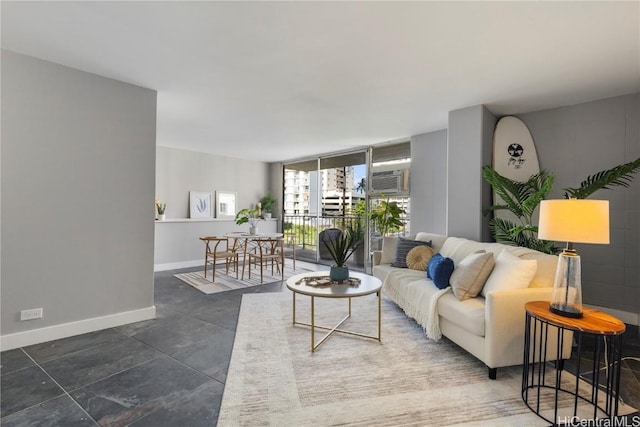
385	217
266	204
251	216
160	208
340	249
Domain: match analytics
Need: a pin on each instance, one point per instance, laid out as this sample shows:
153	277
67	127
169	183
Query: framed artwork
199	204
226	204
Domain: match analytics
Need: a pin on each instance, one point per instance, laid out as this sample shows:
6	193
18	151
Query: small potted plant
341	248
266	204
252	216
385	217
160	208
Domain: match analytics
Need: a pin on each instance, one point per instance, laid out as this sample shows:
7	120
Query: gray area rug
407	380
229	282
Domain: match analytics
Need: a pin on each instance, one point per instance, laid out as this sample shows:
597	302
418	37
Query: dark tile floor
169	371
630	367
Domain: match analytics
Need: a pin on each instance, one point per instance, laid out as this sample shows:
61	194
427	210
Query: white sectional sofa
489	326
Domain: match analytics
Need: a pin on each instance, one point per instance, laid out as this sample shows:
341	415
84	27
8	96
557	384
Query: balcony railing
307	227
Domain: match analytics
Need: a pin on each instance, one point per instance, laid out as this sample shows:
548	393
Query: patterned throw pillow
418	257
402	250
439	270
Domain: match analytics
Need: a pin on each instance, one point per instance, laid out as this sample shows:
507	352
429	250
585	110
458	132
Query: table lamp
572	221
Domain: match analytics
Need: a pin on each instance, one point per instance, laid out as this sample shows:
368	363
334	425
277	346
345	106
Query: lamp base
566	310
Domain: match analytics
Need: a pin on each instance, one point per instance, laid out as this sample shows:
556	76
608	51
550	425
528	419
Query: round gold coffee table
368	285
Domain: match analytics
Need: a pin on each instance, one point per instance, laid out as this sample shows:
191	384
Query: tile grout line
173	358
64	391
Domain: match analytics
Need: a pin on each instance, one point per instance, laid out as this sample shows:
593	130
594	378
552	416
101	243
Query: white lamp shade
574	220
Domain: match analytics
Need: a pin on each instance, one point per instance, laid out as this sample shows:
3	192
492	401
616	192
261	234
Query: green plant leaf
341	248
621	175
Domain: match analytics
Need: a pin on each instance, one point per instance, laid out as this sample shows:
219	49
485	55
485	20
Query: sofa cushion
510	272
468	314
439	270
470	274
418	257
546	272
437	240
389	244
458	248
403	248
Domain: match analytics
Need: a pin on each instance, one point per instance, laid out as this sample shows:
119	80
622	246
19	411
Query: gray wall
276	178
429	182
470	137
177	243
181	171
576	141
78	167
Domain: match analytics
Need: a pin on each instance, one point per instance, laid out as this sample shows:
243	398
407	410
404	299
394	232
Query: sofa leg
493	373
560	365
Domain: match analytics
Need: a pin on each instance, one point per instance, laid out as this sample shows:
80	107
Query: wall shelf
205	220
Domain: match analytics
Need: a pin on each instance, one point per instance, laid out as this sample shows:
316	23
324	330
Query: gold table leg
313	325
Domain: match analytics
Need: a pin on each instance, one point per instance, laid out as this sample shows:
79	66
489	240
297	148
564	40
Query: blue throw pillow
431	266
439	270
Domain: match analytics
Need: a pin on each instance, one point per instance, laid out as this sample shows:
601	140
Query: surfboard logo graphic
515	151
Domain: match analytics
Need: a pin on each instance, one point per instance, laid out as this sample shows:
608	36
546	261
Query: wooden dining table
243	241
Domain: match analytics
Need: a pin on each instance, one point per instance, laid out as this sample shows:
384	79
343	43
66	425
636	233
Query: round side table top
368	285
593	321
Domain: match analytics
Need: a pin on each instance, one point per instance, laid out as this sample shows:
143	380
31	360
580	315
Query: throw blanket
433	322
418	297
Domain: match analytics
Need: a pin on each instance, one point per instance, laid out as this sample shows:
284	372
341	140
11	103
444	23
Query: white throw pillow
510	272
389	245
470	275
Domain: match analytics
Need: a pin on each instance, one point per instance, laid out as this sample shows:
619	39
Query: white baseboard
181	264
625	316
177	265
49	333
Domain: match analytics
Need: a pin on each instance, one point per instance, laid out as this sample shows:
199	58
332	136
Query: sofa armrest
377	257
505	325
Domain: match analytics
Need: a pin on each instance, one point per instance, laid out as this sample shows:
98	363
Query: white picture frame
226	204
199	204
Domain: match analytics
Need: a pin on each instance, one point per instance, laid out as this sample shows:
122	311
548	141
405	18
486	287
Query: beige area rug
229	282
407	380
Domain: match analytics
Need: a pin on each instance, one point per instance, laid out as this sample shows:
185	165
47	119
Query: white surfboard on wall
514	155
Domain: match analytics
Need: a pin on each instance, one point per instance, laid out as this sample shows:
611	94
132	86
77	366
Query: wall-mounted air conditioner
390	181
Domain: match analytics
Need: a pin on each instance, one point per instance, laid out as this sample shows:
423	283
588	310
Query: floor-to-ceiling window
389	178
337	192
323	194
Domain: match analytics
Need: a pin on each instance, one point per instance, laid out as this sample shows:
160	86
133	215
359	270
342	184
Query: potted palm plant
385	217
523	198
341	248
267	203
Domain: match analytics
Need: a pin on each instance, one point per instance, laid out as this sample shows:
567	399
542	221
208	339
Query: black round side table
544	329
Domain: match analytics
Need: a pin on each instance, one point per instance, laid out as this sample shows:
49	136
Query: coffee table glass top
368	285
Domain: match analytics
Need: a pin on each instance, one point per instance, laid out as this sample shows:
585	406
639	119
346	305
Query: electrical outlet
34	313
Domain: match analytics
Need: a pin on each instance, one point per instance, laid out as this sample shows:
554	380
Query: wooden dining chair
218	248
289	247
267	249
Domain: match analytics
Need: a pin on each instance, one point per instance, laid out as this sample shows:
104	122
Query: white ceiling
281	80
